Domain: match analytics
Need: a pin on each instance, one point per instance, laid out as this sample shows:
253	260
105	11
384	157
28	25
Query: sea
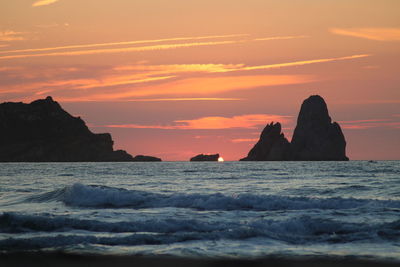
236	210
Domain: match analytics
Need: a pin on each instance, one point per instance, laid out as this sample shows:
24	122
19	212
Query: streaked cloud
120	50
222	68
212	123
8	36
123	80
369	123
202	86
176	68
186	99
377	34
124	43
44	3
170	81
302	62
13	54
281	38
244	140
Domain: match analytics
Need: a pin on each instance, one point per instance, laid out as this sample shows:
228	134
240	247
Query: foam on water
80	195
301	230
190	209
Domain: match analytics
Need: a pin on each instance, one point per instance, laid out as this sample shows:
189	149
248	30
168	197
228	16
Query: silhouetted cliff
272	145
43	132
315	137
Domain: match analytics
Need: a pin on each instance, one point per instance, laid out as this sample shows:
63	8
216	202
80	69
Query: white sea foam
99	196
299	230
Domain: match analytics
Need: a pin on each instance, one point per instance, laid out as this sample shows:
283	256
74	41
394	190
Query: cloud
185	99
201	86
211	123
300	63
281	38
223	68
370	123
175	80
44	3
120	50
8	36
377	34
244	140
122	80
133	49
124	43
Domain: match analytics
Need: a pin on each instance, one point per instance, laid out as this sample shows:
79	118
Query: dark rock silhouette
272	145
43	132
315	137
203	157
142	158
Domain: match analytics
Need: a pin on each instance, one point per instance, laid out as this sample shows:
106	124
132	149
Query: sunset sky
177	78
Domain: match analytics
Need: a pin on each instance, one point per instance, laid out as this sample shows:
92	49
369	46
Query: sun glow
220	159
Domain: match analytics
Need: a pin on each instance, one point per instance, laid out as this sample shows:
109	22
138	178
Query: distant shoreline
76	260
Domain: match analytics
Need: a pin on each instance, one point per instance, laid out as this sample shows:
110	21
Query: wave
63	231
79	195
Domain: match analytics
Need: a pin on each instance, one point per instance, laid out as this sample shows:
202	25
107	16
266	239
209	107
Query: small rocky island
203	157
43	132
142	158
315	137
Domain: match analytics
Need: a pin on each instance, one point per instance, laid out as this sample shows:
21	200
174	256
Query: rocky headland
43	132
203	157
315	137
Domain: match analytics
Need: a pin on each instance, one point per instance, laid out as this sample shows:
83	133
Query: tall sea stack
315	137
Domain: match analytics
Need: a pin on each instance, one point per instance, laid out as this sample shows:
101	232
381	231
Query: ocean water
203	209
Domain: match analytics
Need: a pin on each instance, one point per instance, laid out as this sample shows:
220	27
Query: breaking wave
299	230
79	195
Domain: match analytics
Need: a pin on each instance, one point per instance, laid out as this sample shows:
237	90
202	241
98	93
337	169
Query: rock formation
203	157
141	158
272	145
43	132
315	137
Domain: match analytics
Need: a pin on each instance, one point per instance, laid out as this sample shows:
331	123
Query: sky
177	78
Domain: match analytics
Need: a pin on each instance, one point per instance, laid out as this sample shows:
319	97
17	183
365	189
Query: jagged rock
43	132
202	157
315	136
272	145
140	158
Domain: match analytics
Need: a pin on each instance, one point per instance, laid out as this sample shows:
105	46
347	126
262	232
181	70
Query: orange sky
177	78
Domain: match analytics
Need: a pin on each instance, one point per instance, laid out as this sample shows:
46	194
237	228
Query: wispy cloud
212	123
244	140
186	99
222	68
281	38
300	63
21	53
135	42
120	50
8	36
170	81
369	123
202	86
44	3
377	34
